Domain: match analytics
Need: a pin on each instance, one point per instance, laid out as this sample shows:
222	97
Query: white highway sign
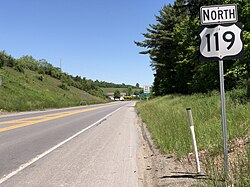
218	14
146	89
222	42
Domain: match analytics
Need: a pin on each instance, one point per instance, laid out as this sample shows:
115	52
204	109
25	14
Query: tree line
43	67
173	46
104	84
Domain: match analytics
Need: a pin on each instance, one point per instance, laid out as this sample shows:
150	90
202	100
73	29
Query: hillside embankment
29	90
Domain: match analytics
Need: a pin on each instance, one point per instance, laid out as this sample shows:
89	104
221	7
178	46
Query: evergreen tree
173	46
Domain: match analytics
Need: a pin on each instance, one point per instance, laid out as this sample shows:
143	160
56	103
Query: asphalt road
81	146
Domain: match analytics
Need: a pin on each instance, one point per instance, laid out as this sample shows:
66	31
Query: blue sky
93	38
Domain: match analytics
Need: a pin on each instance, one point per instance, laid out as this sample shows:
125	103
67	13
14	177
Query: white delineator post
191	125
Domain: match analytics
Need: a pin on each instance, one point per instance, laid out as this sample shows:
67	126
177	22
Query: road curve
84	146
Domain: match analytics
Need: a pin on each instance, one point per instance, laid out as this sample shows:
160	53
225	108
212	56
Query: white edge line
38	157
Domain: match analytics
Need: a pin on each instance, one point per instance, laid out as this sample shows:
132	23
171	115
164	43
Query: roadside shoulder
158	169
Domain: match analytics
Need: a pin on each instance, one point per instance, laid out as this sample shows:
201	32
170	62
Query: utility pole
60	64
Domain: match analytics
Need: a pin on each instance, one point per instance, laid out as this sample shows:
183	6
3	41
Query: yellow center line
38	119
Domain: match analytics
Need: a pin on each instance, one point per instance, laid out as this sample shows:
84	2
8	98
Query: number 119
231	39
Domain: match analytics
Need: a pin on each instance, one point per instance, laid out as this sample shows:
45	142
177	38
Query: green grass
24	91
166	119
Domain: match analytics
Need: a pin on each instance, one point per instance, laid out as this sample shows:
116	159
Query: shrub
238	96
40	77
63	86
19	68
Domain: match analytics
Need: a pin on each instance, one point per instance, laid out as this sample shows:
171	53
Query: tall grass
166	119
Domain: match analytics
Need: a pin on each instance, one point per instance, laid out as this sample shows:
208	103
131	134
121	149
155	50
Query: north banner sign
221	42
218	14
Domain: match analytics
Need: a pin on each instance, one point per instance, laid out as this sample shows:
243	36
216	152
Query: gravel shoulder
162	170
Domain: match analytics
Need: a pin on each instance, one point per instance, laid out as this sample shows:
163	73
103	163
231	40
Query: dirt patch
162	170
2	112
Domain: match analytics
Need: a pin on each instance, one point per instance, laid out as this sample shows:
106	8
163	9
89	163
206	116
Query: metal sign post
146	90
223	111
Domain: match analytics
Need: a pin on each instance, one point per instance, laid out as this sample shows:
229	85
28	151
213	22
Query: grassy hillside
166	119
31	91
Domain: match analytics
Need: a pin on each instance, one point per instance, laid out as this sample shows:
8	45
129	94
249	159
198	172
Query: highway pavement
81	146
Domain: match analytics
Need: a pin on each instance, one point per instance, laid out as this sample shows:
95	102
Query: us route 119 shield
221	42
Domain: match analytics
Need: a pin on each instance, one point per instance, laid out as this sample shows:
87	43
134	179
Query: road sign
218	14
221	42
146	89
144	95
